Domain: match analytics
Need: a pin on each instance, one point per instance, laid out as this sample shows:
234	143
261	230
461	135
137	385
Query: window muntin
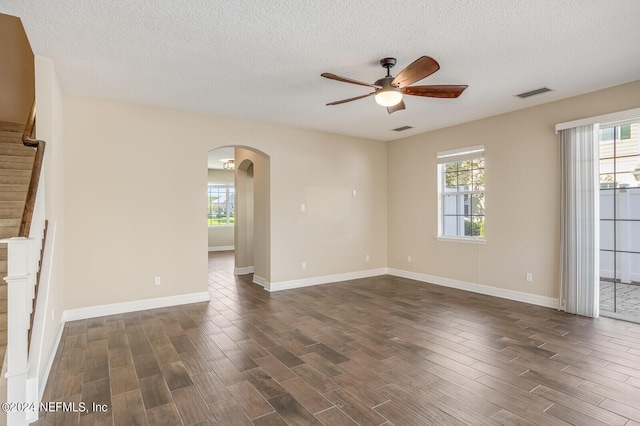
221	204
461	197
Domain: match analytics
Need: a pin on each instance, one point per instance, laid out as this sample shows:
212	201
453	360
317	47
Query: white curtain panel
580	236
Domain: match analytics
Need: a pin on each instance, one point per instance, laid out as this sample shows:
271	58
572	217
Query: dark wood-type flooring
375	351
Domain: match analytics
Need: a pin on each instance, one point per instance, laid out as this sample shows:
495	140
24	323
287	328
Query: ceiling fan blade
351	99
348	80
416	71
436	91
397	107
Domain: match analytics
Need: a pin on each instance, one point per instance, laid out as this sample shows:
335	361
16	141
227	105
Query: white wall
522	228
49	128
135	179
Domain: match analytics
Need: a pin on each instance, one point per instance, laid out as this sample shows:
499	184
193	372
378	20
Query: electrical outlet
304	265
528	277
409	259
157	281
355	193
303	208
366	258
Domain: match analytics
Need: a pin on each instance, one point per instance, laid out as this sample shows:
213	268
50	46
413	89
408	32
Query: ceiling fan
389	89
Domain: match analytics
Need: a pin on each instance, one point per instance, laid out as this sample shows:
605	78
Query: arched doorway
251	224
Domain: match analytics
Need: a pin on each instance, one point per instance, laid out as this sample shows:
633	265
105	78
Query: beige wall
522	155
131	171
17	76
219	176
253	212
135	202
337	230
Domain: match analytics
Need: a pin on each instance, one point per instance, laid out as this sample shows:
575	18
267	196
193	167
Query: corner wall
522	154
135	200
17	71
49	128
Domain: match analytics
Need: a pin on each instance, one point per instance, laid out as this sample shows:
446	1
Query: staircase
16	162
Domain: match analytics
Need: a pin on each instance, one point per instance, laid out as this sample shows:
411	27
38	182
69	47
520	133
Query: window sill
221	226
464	240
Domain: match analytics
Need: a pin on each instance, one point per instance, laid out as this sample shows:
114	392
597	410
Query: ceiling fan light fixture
229	164
389	97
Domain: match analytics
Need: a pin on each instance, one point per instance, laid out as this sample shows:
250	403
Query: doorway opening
221	200
619	147
238	214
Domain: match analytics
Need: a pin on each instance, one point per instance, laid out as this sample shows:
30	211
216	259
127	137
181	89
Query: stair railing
27	140
23	266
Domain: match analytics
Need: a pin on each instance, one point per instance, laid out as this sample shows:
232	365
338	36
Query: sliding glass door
620	221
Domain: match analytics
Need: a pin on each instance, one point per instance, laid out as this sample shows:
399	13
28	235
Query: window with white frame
461	193
221	204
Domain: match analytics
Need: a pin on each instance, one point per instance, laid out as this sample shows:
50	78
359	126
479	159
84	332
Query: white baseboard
533	299
243	271
44	375
326	279
257	279
138	305
222	248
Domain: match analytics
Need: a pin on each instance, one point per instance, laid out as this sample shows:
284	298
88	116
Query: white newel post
20	289
23	258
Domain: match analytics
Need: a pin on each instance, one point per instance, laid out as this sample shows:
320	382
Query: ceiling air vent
533	92
402	129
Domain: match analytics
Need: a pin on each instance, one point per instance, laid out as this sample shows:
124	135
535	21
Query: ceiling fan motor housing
388	63
385	82
382	96
388	95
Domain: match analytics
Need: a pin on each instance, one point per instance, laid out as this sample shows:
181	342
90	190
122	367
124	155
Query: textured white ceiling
217	157
262	59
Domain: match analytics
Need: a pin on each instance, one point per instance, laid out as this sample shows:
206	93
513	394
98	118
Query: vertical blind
579	265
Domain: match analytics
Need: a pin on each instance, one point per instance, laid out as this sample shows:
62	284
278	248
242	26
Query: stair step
12	195
15	159
9	231
15	150
15	173
14	180
15	164
11	205
10	135
8	197
8	126
13	188
10	221
14	212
